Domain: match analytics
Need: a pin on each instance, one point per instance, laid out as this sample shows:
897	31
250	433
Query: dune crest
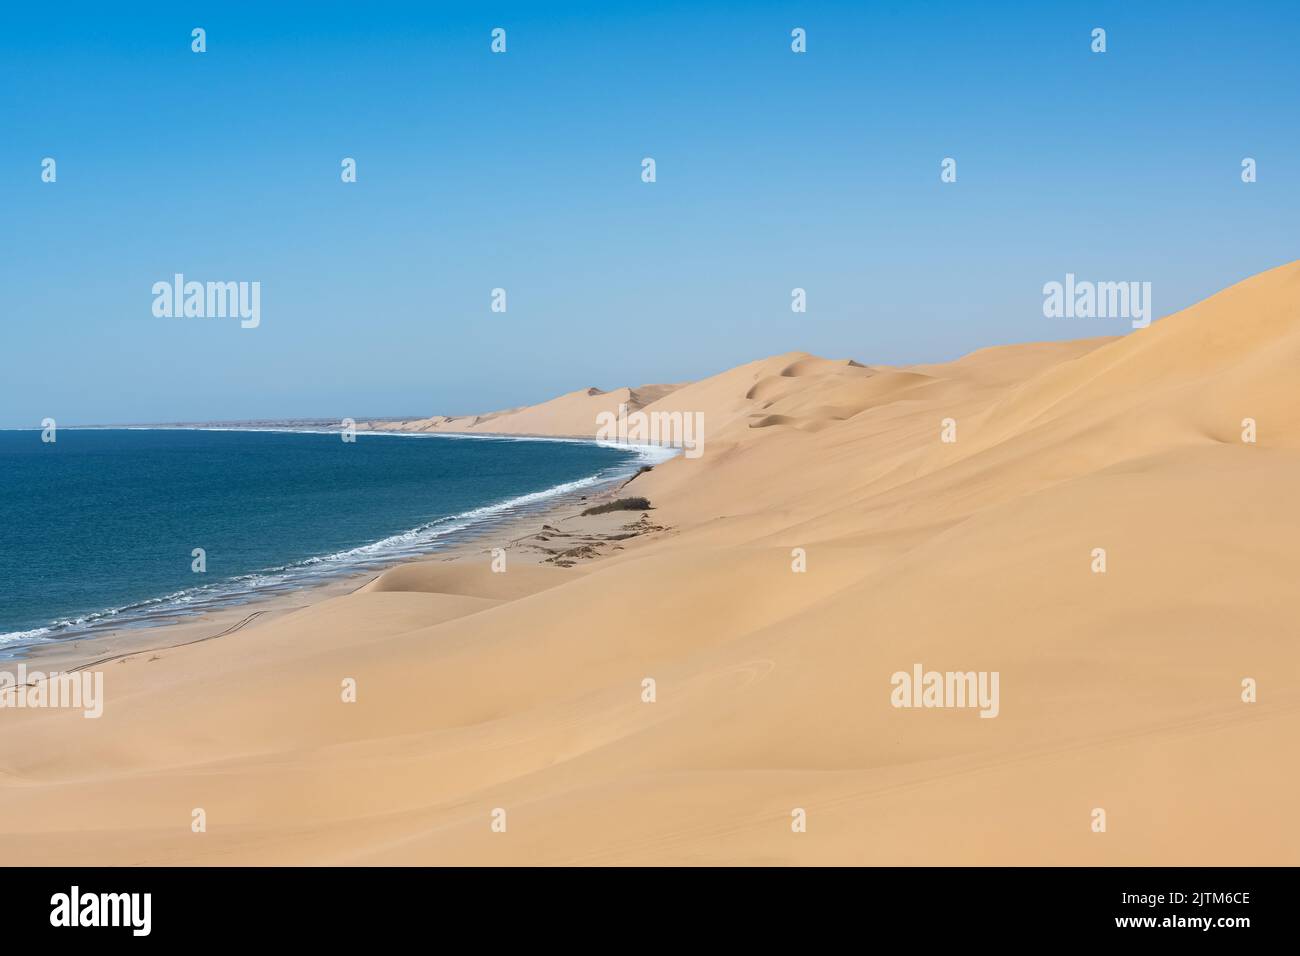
573	414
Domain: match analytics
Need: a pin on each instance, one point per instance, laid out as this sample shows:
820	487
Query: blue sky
522	171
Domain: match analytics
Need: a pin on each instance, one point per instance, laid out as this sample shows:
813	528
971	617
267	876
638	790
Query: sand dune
523	691
568	415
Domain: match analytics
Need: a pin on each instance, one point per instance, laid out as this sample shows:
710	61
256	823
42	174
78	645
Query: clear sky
775	170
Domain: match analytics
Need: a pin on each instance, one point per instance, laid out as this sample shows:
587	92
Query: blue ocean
98	529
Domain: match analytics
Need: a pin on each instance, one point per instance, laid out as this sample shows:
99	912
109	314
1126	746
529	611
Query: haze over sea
98	529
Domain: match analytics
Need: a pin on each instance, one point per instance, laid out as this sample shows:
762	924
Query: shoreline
174	628
76	653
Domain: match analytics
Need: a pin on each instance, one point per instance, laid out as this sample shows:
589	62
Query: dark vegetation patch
622	504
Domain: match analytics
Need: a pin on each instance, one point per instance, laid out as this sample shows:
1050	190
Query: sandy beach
844	523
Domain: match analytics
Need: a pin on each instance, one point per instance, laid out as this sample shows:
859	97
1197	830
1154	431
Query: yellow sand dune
571	414
524	692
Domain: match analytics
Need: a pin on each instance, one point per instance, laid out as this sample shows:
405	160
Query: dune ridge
568	415
523	691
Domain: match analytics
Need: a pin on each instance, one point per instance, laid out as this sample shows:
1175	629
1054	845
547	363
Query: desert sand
523	691
570	415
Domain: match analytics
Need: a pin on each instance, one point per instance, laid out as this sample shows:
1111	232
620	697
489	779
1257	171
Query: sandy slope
522	690
571	414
